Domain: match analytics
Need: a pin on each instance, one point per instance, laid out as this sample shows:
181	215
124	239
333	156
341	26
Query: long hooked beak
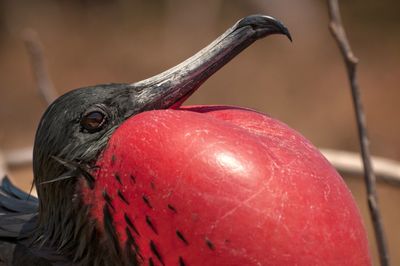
173	86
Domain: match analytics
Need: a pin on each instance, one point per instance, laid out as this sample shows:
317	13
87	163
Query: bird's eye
93	121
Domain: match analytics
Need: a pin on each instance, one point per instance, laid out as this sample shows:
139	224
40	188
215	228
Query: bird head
77	125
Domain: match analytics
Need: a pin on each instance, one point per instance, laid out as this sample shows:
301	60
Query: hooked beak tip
264	25
287	33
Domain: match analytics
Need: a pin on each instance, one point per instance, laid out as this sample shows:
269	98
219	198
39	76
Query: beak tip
264	25
288	35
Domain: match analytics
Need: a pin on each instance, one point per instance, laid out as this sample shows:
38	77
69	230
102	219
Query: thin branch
17	157
3	165
350	163
39	67
344	161
351	61
46	90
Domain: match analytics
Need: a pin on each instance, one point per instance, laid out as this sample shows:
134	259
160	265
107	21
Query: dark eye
93	121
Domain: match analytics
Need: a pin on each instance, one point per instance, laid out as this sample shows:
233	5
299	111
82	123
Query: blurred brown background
301	83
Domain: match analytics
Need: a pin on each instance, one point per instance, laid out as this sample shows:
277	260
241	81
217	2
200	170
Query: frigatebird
104	199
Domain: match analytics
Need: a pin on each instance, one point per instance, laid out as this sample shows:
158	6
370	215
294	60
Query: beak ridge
264	25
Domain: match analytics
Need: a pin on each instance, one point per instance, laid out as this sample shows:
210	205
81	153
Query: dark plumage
55	229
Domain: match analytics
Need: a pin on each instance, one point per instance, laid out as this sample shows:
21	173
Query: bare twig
350	163
344	161
3	165
351	61
43	81
18	157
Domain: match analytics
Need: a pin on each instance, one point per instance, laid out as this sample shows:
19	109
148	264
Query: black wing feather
12	204
18	211
18	216
8	188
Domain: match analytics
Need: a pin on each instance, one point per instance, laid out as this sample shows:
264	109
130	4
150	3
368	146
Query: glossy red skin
250	185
